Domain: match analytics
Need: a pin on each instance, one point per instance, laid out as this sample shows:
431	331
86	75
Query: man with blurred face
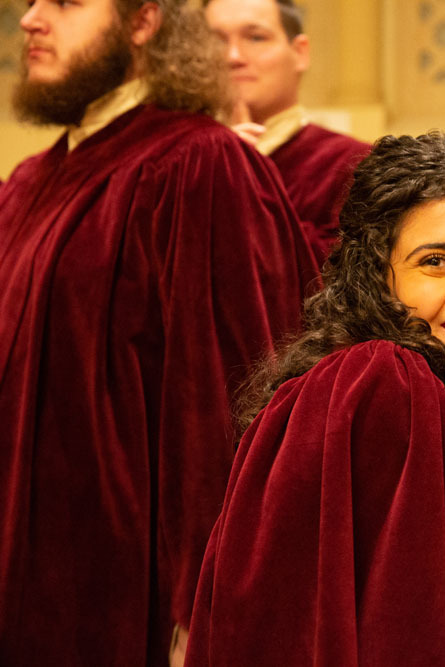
267	53
138	283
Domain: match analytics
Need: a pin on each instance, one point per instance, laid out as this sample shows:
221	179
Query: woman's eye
434	260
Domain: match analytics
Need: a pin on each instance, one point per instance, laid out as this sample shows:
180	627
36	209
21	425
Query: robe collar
105	109
281	127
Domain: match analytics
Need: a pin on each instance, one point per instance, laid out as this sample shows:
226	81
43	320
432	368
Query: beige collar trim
105	109
281	127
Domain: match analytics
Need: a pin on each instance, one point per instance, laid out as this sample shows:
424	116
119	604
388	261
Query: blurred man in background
268	53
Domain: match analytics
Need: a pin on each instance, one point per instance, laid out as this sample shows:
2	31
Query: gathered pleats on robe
140	275
316	166
330	549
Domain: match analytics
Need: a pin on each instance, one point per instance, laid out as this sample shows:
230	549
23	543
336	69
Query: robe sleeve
330	549
230	284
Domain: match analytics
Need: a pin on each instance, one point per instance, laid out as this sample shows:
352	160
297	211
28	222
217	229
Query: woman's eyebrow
427	246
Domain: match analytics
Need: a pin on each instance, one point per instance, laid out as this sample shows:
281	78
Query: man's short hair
290	16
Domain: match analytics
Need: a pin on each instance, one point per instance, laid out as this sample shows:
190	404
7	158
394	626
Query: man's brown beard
92	73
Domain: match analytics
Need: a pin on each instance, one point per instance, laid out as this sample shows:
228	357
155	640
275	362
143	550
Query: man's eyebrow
426	246
253	26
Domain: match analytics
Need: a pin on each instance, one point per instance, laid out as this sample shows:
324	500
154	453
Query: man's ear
145	23
300	45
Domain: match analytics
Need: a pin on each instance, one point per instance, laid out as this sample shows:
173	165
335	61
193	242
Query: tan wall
20	141
343	88
377	66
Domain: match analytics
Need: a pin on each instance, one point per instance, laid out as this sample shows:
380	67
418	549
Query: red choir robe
316	165
140	274
330	549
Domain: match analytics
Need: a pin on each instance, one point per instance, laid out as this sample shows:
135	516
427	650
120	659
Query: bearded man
267	53
147	259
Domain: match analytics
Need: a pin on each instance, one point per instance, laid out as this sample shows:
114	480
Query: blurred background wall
378	66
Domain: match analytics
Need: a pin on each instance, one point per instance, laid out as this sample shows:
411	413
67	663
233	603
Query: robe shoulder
192	158
316	145
332	531
25	170
378	361
316	165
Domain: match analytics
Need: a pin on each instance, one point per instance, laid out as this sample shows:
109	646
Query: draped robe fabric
140	275
316	166
330	548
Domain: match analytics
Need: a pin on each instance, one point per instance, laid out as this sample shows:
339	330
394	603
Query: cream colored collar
105	109
281	127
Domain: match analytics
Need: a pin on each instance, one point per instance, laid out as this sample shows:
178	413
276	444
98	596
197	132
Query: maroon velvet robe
316	166
330	549
139	275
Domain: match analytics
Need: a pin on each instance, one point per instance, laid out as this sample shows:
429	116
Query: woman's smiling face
418	262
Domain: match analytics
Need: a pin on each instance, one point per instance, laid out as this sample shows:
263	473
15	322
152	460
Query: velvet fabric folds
316	166
330	549
140	275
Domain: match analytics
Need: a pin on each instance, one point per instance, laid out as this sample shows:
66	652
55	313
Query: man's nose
33	20
235	55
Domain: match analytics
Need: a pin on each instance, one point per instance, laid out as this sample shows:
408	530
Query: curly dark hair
185	62
356	304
